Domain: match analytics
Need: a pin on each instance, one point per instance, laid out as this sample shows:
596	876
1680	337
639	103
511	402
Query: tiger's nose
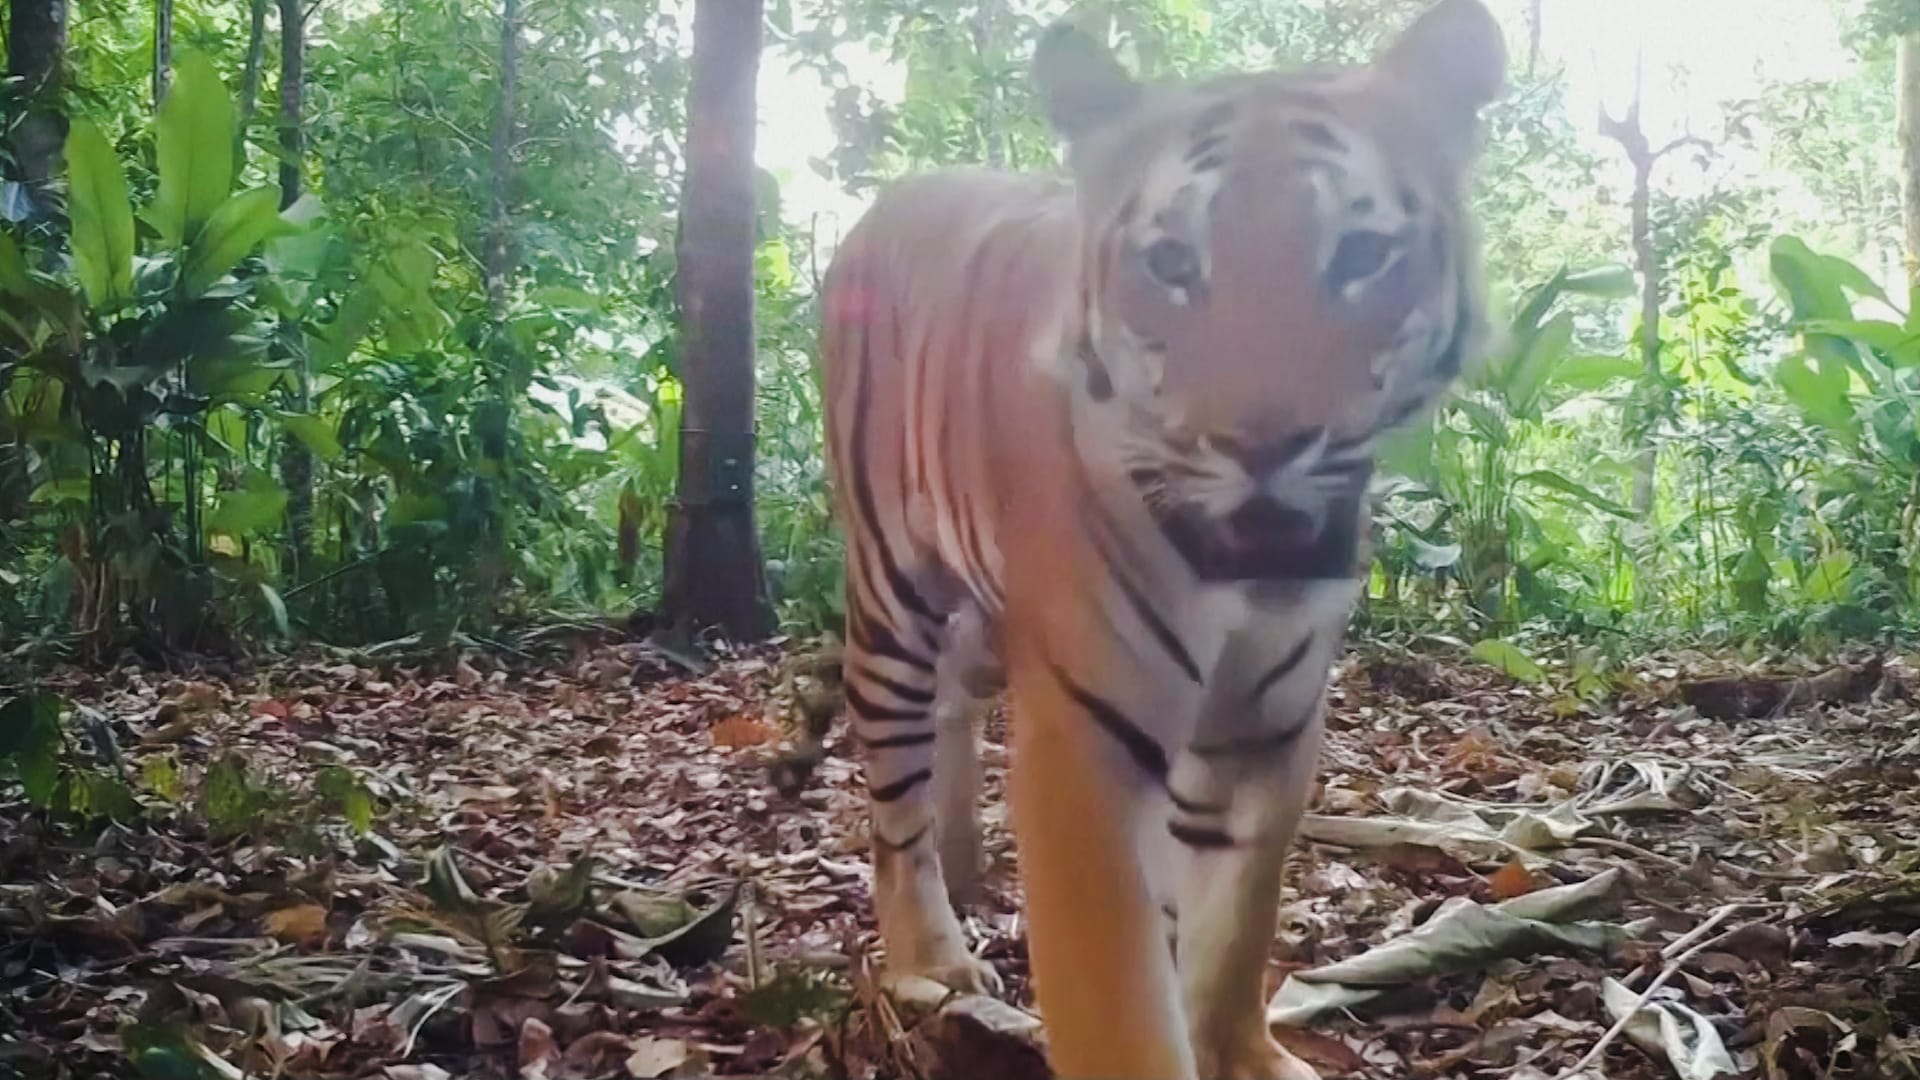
1266	456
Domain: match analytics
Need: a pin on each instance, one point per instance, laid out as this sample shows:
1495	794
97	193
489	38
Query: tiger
1100	439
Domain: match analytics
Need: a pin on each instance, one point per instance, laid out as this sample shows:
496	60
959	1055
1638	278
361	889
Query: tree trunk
250	80
498	256
162	50
713	572
1908	60
36	42
296	461
1642	155
1646	261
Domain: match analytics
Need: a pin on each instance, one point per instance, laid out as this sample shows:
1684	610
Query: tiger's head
1277	267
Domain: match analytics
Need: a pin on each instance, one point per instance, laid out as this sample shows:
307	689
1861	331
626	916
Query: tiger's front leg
1084	813
1238	791
909	713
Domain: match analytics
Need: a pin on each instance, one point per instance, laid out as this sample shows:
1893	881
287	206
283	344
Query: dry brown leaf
302	924
538	1052
655	1057
740	732
1512	880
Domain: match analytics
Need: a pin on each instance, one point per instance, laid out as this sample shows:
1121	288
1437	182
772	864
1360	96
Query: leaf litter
578	867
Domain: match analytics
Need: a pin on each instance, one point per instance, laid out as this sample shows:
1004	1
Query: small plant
38	753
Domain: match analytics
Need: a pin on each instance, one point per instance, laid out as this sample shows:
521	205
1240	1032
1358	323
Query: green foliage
482	457
36	755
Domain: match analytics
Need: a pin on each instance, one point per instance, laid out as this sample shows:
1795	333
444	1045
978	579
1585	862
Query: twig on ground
1666	974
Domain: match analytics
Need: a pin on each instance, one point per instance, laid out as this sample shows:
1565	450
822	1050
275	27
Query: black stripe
893	792
1146	753
902	588
1162	633
1254	745
1196	837
893	742
865	709
912	695
1176	650
879	641
1340	446
1189	806
1280	670
904	844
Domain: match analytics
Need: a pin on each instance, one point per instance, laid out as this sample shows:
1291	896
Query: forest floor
1748	840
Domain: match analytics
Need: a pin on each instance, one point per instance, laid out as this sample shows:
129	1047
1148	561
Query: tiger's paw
1253	1057
963	975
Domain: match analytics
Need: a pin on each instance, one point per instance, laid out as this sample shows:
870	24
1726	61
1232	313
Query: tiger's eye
1361	254
1172	262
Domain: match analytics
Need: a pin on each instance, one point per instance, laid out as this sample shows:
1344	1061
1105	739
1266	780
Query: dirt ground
570	863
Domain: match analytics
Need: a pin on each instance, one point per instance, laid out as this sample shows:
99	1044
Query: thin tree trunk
296	461
1908	61
250	80
983	48
714	576
1646	261
1641	154
498	256
36	42
162	49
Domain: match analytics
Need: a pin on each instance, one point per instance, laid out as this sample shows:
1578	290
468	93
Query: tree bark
36	42
296	461
1907	54
498	255
250	79
714	576
162	50
1644	157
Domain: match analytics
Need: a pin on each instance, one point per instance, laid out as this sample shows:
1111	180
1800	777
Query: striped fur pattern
1103	442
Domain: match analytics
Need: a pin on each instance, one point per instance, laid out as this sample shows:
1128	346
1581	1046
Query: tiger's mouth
1264	540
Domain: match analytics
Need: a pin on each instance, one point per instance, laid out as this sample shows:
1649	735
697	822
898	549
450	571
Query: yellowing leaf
1512	880
300	925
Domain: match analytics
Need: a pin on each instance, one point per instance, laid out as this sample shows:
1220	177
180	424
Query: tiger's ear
1453	60
1081	85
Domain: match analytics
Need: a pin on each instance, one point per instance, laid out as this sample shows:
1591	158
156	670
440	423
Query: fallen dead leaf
655	1057
302	924
1512	880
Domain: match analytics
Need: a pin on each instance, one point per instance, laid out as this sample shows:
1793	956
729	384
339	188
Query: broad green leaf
1593	372
78	489
101	215
1810	285
13	268
248	511
160	774
1609	282
193	144
29	725
1536	365
227	794
1507	656
101	795
1831	581
1820	392
305	210
278	608
240	225
1547	478
1900	345
315	433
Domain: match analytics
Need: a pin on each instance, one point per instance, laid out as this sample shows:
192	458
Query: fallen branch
1666	975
